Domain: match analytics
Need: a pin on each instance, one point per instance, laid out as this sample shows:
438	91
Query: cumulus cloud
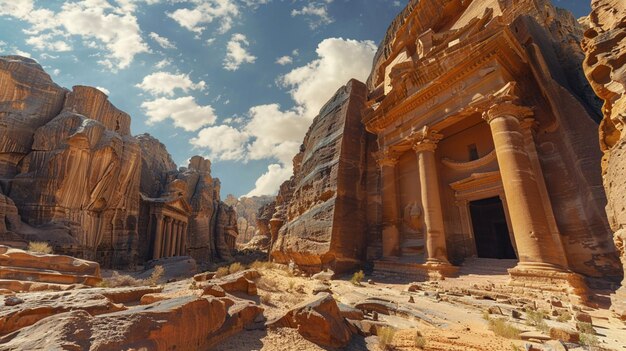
104	90
237	52
165	83
269	182
162	41
284	60
224	142
184	112
271	132
115	27
316	13
205	12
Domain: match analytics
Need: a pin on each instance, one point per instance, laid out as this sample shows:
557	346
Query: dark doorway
490	229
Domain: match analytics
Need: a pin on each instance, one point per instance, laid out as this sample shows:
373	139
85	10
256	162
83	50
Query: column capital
386	157
507	109
425	139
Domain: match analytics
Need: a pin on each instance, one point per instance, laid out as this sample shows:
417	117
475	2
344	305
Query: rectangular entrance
491	231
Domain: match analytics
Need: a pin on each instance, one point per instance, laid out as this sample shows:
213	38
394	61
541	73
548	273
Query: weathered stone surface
325	217
318	320
73	176
191	324
28	100
21	265
605	67
37	306
247	210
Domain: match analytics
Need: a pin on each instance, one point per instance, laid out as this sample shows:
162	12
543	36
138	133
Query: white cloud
57	71
205	12
164	83
104	90
270	181
284	60
184	111
224	142
162	41
273	133
316	13
114	26
163	63
255	3
237	53
338	60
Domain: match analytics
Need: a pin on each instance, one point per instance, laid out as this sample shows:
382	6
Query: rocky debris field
266	306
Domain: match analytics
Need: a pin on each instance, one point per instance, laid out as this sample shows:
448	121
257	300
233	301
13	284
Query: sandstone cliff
324	220
605	67
71	174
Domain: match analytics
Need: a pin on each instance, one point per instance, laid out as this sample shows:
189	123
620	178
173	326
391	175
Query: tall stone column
535	245
175	231
168	237
424	146
158	237
391	234
183	241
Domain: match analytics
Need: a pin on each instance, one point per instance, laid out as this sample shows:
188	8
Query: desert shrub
501	328
193	285
267	284
357	278
235	267
588	339
536	319
40	247
420	341
156	275
292	284
261	265
585	328
221	272
120	280
564	317
385	337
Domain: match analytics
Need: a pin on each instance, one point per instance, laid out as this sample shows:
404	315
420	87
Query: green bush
357	278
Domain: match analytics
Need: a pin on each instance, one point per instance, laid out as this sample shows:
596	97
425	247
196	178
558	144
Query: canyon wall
605	67
71	174
324	222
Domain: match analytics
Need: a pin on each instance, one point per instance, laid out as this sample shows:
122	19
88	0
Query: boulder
318	320
564	334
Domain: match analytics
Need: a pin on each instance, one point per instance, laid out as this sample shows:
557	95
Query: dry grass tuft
118	280
385	337
420	341
357	278
156	275
221	272
40	247
536	319
500	327
236	267
261	265
268	284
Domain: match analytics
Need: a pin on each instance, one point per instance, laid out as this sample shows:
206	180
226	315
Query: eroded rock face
28	100
72	175
324	220
605	67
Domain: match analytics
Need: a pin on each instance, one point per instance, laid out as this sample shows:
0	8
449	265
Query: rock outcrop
605	67
324	222
247	209
318	320
19	265
71	174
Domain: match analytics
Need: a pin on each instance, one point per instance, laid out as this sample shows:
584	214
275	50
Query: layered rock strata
71	174
324	221
605	67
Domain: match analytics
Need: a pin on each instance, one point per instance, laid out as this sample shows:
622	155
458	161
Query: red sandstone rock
605	68
318	320
325	217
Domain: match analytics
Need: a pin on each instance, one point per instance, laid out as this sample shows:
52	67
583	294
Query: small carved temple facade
483	148
167	226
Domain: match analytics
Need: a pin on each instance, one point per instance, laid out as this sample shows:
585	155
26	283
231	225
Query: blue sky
237	81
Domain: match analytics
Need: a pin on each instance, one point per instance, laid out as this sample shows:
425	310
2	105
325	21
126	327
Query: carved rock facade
605	67
74	176
480	143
